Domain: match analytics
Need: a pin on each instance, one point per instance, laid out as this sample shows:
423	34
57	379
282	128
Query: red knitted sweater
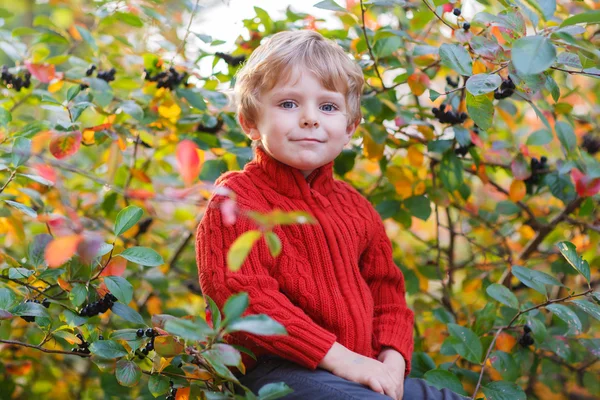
333	281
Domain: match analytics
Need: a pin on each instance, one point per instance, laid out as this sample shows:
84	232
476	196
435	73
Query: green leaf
30	309
462	135
132	108
273	243
120	287
540	137
7	298
129	19
142	256
455	56
419	206
569	251
78	294
73	91
451	172
128	373
21	151
87	36
23	208
566	314
194	98
186	329
588	307
506	365
127	313
240	249
127	218
215	313
158	385
503	295
38	179
533	55
566	135
330	5
108	349
552	86
467	343
433	95
536	280
19	273
386	46
275	390
259	324
481	110
5	117
125	334
590	17
235	306
442	379
483	83
503	391
547	7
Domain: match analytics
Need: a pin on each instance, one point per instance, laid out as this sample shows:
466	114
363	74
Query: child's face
300	123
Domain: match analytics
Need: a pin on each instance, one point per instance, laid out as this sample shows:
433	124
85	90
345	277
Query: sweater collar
288	180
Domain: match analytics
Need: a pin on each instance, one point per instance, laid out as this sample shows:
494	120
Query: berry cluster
461	151
31	318
536	167
169	80
452	83
448	117
172	392
526	340
81	348
505	90
591	143
107	76
234	61
98	307
151	333
15	82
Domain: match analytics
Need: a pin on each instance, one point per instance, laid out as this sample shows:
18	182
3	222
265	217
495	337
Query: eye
329	107
287	104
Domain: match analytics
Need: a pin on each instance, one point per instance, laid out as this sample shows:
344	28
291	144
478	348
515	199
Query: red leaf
43	72
61	249
584	185
46	172
188	161
65	144
116	266
448	7
140	194
520	168
476	140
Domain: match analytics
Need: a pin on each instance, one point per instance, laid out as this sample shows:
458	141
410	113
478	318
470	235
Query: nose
309	121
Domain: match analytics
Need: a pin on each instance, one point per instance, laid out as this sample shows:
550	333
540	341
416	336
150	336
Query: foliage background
487	245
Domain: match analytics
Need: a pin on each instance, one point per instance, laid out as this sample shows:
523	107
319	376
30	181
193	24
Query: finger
389	388
400	391
375	385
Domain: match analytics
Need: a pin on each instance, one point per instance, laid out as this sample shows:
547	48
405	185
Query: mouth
307	140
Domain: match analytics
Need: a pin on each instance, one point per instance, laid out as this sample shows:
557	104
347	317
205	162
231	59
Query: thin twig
364	29
437	16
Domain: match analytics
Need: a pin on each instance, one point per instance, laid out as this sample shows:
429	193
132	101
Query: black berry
100	337
466	26
456	11
150	332
234	61
591	143
140	332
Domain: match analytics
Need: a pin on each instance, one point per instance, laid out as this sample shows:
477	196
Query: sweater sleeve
307	343
393	321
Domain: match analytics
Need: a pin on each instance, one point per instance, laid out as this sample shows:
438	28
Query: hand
355	367
395	361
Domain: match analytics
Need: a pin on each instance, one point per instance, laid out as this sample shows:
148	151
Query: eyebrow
291	92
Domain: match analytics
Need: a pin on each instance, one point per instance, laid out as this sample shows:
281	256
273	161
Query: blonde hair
274	61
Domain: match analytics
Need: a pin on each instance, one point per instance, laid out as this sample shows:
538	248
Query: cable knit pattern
333	281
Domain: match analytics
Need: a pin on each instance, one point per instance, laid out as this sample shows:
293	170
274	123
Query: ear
350	129
249	128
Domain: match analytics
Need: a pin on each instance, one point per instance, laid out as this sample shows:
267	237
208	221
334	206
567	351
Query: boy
334	287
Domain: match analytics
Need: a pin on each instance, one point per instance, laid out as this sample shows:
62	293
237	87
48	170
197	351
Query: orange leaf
116	266
61	249
140	175
415	157
64	285
517	190
188	161
418	82
140	194
18	368
183	394
65	144
505	342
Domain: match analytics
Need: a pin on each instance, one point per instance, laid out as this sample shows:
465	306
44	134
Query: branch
489	350
10	178
33	346
437	16
187	33
364	29
570	72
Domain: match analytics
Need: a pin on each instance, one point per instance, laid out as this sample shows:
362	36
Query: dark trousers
321	384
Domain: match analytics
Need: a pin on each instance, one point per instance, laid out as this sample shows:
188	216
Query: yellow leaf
479	67
420	188
88	137
372	150
55	86
418	82
517	190
403	188
240	249
169	112
415	157
426	130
